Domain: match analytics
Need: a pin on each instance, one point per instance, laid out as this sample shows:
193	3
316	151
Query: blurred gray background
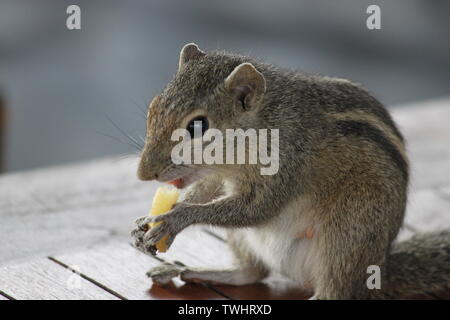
60	87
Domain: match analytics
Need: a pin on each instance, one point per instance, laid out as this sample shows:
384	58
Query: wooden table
64	231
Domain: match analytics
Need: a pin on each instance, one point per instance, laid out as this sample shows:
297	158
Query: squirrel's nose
150	165
145	175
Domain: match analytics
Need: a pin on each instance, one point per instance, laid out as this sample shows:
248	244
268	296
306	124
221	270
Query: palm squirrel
333	208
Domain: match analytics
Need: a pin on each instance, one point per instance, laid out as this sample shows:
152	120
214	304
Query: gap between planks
5	296
42	278
85	277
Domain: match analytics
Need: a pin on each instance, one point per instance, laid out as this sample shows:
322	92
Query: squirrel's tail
418	266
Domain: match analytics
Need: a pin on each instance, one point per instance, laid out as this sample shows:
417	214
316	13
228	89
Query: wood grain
122	268
43	279
427	210
53	210
426	129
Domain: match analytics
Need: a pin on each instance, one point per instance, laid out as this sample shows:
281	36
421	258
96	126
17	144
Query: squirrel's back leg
353	238
343	261
360	203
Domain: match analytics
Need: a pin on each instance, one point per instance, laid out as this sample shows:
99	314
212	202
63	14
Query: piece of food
163	201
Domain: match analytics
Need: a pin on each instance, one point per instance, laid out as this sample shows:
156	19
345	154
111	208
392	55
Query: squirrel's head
217	90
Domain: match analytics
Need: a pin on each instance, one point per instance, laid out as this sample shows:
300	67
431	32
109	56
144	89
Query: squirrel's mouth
180	177
179	183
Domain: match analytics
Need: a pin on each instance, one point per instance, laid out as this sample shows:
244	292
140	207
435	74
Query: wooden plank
61	208
426	130
428	210
122	268
73	186
43	279
45	234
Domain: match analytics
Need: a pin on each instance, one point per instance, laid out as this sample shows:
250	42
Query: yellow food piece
163	201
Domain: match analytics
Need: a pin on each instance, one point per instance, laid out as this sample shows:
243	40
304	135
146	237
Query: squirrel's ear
247	85
190	51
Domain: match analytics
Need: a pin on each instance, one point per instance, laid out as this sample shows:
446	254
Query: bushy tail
418	266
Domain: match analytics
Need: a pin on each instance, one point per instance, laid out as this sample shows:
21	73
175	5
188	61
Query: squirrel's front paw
138	233
169	224
164	273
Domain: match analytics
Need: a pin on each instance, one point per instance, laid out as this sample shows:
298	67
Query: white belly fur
278	246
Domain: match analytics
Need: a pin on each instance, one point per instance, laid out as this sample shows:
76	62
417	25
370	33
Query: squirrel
334	207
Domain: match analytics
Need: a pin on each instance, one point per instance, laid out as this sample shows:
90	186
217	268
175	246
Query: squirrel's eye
198	124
